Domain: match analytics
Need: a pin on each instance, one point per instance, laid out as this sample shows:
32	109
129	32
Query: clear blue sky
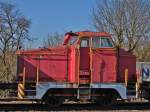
48	16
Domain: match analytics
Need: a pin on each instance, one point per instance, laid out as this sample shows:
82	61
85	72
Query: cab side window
106	42
84	43
102	42
96	42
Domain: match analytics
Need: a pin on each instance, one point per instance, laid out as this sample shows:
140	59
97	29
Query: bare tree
127	20
143	51
53	40
13	30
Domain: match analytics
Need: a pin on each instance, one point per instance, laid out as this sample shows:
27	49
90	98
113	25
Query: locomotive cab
94	54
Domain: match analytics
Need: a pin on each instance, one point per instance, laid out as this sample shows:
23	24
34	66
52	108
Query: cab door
84	66
104	60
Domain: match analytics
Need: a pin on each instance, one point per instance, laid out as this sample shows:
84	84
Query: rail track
30	106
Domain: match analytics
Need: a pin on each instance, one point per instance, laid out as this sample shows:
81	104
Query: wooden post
126	77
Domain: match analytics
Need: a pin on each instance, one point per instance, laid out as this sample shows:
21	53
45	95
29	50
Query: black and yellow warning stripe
21	93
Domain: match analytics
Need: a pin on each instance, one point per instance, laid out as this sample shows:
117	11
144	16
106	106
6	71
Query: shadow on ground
71	107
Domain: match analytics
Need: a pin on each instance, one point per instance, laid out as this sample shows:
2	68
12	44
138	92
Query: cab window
106	42
96	42
73	40
102	42
84	42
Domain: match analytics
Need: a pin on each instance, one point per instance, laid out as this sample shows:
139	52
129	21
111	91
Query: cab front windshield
73	40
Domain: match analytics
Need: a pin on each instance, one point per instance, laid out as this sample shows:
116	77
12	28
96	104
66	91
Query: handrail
24	76
91	61
126	77
37	75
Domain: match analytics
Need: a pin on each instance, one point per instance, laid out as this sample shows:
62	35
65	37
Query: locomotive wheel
146	95
53	101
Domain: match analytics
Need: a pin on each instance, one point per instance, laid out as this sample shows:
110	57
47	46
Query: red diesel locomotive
87	66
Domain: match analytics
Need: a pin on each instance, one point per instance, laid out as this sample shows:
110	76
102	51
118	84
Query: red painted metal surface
84	59
72	67
126	61
52	64
71	63
104	64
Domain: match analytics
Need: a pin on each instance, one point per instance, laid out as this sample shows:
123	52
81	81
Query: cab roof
89	34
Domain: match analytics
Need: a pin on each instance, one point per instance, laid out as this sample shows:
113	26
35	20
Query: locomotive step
30	97
84	85
30	87
84	92
84	81
131	97
30	90
131	92
131	86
